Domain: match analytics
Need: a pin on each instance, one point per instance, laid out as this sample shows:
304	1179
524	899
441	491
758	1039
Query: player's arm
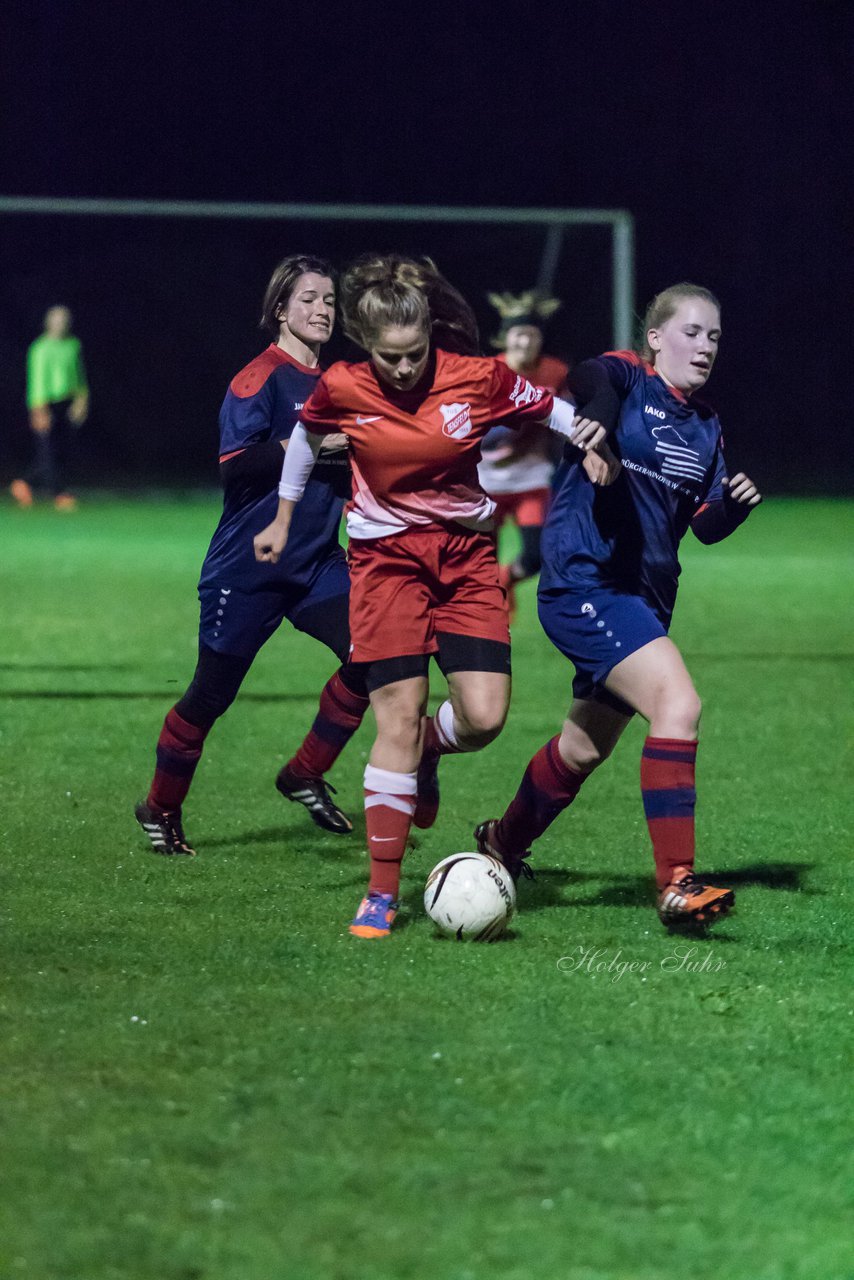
78	410
599	388
300	456
728	503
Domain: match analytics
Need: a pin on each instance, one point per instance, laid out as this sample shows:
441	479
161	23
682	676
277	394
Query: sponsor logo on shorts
456	420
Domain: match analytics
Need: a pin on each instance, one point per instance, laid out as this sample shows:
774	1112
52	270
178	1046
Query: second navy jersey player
260	410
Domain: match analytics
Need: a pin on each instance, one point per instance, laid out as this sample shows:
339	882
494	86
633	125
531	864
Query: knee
203	705
678	715
481	724
398	721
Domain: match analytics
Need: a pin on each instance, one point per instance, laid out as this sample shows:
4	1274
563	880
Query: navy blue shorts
596	628
238	618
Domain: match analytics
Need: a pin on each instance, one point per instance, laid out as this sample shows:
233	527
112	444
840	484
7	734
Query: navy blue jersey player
608	587
243	602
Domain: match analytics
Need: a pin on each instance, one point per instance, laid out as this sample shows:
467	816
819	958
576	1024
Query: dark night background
725	130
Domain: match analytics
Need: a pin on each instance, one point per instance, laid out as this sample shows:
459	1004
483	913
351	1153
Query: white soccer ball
470	896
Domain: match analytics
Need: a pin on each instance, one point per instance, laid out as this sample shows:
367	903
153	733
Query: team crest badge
456	420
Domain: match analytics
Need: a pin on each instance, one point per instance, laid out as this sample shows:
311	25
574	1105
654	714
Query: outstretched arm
300	457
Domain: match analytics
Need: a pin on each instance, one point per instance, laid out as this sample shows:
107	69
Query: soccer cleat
65	502
686	900
487	843
22	493
313	793
427	790
164	830
374	917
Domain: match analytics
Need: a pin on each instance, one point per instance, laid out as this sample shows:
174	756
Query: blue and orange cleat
374	917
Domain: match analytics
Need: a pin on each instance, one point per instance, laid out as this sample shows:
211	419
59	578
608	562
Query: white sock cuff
446	730
395	784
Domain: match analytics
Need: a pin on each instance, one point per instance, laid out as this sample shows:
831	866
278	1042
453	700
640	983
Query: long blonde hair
379	290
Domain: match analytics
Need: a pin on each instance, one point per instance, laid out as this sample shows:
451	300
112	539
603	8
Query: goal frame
552	221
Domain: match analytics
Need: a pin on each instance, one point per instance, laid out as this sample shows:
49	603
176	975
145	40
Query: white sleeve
300	457
562	419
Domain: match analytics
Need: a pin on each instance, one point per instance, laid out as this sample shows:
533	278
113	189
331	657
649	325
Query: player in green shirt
58	401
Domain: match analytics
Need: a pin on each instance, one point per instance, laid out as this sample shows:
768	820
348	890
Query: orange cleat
375	916
686	900
22	493
65	502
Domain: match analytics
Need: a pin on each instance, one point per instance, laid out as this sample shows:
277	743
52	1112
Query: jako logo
656	413
524	392
457	420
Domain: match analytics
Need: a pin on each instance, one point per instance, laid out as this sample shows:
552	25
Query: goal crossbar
553	222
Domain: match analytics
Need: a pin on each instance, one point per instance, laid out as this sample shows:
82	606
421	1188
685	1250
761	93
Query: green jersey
54	371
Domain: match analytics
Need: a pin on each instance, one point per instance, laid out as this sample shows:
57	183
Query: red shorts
408	586
528	508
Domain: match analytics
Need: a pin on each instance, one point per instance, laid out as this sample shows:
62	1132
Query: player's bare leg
551	782
657	683
472	717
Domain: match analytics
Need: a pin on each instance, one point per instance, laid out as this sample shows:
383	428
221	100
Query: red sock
547	787
179	749
389	805
339	716
669	796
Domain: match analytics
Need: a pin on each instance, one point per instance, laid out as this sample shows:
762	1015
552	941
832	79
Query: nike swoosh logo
360	422
225	591
383	839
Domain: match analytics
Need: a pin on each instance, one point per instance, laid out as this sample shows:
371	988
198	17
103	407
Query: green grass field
205	1078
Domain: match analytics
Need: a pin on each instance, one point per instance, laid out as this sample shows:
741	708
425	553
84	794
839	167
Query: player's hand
78	410
587	434
270	543
601	465
742	490
40	420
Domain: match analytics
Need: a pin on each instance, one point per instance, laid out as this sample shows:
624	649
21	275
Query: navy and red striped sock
669	796
338	717
179	749
547	788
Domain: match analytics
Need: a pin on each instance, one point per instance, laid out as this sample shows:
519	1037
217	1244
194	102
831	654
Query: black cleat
484	834
313	793
427	790
164	830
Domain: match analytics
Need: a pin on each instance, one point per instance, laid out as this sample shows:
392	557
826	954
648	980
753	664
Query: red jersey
415	453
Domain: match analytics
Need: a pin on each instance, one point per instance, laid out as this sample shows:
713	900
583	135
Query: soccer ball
470	896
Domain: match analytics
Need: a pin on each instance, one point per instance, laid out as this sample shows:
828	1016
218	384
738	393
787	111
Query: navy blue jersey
627	535
260	409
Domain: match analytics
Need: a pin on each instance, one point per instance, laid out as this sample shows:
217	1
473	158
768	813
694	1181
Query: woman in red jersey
424	576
